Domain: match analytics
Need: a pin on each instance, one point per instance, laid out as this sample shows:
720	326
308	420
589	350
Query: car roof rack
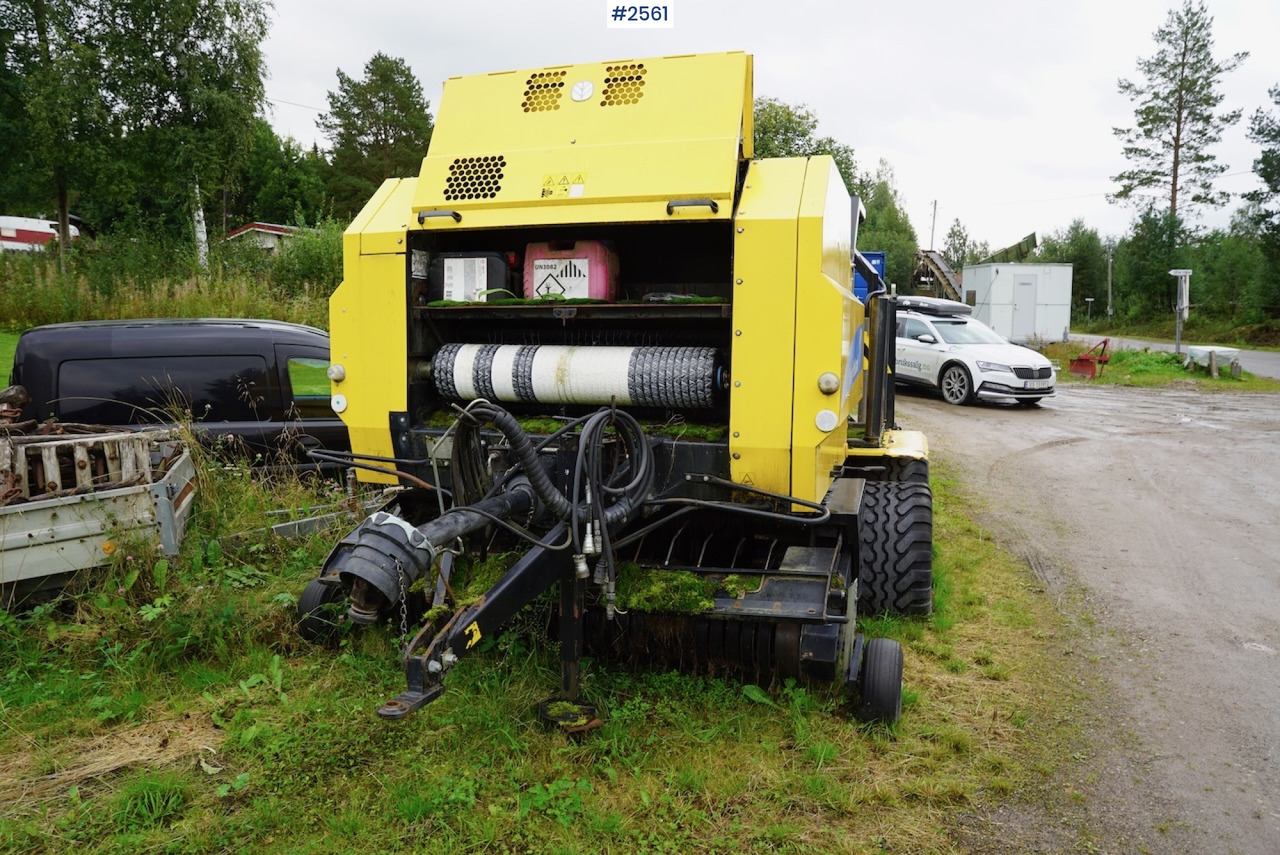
934	306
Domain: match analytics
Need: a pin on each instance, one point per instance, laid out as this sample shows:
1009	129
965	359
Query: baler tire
895	538
956	385
320	613
907	470
881	682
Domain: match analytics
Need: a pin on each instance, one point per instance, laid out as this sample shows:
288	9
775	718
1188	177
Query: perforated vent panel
623	84
543	90
475	178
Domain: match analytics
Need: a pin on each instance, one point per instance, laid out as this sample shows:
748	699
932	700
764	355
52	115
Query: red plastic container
585	269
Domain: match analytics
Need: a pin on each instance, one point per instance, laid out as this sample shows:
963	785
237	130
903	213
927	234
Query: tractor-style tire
956	385
320	612
880	682
906	470
895	536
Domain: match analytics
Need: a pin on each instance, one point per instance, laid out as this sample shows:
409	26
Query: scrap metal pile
69	491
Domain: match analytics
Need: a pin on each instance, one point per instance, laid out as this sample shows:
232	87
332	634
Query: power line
295	104
1108	193
1013	202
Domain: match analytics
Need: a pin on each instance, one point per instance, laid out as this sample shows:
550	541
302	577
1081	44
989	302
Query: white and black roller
677	377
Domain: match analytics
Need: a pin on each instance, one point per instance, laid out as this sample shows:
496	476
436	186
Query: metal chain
404	606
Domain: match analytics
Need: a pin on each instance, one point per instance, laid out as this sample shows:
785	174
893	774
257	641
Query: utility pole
934	226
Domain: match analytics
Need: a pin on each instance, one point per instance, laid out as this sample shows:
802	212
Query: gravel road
1165	506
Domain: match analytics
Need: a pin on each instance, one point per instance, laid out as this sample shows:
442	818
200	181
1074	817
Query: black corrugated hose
634	459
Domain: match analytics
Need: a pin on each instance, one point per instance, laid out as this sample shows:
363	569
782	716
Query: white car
941	347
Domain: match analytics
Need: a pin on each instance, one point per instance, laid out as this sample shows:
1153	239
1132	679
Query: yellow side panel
352	238
368	324
764	322
385	229
558	144
828	318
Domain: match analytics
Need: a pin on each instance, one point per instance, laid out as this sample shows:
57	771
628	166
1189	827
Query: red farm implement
1089	364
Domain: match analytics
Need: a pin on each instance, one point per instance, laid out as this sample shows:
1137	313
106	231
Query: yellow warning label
473	634
564	185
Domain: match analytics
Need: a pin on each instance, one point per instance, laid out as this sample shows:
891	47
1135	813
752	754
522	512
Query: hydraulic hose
386	554
639	452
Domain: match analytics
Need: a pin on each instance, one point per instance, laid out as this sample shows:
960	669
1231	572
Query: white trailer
1023	302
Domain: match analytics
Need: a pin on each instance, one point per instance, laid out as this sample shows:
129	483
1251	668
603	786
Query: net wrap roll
677	377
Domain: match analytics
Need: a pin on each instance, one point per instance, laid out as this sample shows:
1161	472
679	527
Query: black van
262	383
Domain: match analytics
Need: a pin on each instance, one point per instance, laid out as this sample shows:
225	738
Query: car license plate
1035	384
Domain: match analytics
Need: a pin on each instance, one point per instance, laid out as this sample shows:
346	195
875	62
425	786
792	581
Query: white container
1023	302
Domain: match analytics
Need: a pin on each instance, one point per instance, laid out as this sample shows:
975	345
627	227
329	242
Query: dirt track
1165	507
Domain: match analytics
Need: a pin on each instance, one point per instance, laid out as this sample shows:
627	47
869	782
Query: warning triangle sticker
550	286
747	481
564	179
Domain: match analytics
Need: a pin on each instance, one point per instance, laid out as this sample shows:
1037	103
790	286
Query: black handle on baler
692	203
423	216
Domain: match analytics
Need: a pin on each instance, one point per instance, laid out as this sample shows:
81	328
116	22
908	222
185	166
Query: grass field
169	705
8	341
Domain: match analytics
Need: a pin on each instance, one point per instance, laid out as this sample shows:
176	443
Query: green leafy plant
154	609
757	695
238	783
243	576
561	799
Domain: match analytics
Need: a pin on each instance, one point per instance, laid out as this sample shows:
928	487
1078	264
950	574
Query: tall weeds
125	277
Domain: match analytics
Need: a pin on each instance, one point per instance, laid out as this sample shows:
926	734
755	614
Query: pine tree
380	127
1175	120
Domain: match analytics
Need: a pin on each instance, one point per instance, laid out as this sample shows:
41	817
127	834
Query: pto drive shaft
389	554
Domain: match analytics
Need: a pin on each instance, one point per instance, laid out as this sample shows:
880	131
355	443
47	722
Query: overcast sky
1000	110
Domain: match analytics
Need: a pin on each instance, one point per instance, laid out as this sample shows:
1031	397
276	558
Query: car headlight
994	366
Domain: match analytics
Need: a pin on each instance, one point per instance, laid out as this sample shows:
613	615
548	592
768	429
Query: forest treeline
146	122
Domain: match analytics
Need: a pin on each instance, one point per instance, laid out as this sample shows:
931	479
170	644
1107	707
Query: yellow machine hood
611	141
